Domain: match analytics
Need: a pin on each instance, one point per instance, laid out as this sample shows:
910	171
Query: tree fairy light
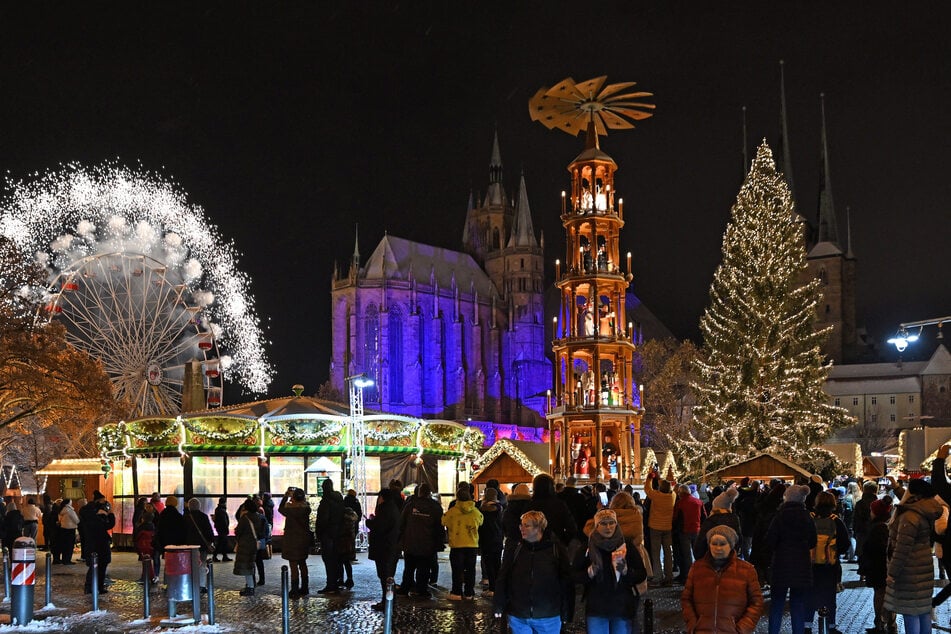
75	212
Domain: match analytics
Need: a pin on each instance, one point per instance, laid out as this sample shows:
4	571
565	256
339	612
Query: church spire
523	234
495	195
828	228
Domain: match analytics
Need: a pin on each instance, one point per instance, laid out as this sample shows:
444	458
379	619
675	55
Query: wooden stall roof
510	461
760	467
72	467
873	466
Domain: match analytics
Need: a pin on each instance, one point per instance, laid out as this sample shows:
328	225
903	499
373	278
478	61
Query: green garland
221	434
441	436
390	430
110	438
151	429
328	433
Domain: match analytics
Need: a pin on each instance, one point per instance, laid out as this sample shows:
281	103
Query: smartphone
604	498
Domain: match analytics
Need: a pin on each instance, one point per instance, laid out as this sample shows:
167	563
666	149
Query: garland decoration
152	429
300	433
441	436
227	429
394	433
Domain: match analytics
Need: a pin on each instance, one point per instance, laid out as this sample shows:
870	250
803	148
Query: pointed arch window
395	358
496	239
371	351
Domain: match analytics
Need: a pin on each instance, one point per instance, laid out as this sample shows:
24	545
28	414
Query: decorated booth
267	446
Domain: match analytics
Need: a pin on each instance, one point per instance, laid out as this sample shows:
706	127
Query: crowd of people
533	551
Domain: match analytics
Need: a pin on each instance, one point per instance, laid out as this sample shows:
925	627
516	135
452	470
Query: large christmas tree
760	381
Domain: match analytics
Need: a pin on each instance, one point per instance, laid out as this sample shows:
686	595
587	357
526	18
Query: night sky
291	122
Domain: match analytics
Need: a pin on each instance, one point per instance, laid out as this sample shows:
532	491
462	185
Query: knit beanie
882	506
726	532
171	501
796	493
490	495
604	514
725	499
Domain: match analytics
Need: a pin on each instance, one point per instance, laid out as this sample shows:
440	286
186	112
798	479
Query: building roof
72	467
764	465
897	385
940	362
401	259
848	372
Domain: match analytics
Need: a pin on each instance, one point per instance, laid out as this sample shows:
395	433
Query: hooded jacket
911	564
462	522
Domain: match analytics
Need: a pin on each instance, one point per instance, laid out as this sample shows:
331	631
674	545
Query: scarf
597	544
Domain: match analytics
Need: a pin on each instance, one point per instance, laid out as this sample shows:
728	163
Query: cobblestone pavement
121	610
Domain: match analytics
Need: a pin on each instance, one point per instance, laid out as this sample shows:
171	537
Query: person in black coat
98	521
826	577
328	529
384	538
531	587
170	530
577	505
490	537
561	523
422	535
222	528
518	504
791	535
873	564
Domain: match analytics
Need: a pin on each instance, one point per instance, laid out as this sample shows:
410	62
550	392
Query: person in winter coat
721	514
198	533
610	568
745	508
490	537
12	524
660	523
296	545
384	538
910	579
171	529
761	553
251	527
144	539
518	503
329	529
68	523
347	545
98	522
531	586
577	504
791	535
561	523
462	523
222	528
825	576
862	515
873	564
51	528
688	514
422	533
722	593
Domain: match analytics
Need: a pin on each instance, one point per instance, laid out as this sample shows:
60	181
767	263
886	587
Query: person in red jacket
722	592
688	514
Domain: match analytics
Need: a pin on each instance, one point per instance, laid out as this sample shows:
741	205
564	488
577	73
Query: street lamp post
903	337
357	454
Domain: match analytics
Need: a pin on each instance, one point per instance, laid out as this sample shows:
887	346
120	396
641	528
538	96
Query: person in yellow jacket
462	522
661	525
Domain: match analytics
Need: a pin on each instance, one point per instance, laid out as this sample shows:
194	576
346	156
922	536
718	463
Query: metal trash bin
182	563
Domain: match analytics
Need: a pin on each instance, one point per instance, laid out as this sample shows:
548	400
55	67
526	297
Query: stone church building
450	334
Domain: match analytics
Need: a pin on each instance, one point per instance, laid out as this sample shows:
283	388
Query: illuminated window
208	475
242	475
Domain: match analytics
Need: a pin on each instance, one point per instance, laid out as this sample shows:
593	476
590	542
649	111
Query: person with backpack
832	541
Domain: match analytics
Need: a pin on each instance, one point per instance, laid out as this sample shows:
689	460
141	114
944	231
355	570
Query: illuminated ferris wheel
138	317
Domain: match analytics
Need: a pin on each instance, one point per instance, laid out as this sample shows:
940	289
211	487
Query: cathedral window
496	239
395	325
371	351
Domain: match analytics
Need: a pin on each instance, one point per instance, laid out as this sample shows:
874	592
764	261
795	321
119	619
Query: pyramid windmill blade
613	88
588	90
565	89
615	122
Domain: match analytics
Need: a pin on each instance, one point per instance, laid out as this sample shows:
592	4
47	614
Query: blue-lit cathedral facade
452	334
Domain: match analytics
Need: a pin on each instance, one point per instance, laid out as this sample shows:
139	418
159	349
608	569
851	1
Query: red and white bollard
23	580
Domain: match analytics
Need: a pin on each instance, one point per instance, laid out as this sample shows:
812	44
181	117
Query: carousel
270	445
